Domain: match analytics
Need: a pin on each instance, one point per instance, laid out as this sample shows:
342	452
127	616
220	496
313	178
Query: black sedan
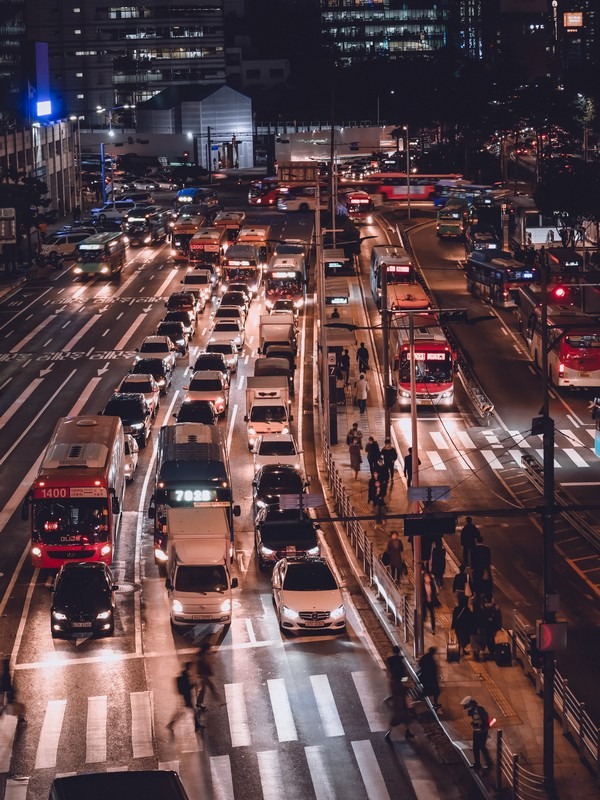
274	480
202	411
83	600
159	368
176	333
284	534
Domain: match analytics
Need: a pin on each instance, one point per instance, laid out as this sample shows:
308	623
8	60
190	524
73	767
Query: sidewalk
506	692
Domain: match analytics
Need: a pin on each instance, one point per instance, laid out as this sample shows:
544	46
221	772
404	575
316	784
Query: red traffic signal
559	293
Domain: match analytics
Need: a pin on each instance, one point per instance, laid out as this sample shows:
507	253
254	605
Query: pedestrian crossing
442	451
319	700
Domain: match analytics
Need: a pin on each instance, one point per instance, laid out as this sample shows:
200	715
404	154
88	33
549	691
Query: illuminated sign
43	108
398	268
64	492
191	496
283	275
573	19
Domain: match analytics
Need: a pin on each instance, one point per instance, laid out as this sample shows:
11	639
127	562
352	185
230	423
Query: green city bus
452	219
102	254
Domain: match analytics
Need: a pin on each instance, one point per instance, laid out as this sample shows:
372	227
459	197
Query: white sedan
307	596
233	328
158	347
144	383
276	448
131	456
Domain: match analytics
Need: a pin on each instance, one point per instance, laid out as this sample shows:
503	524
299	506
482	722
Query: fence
513	780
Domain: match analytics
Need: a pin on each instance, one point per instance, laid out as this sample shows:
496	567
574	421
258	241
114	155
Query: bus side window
531	325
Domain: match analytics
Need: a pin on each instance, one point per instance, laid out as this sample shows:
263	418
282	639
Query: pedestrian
354	434
398	673
478	637
395	561
383	471
372	452
437	561
204	671
362	357
184	688
480	724
335	314
345	366
428	675
430	598
492	623
468	539
390	456
6	686
461	585
361	390
408	466
462	620
400	712
76	213
355	457
481	559
340	388
376	495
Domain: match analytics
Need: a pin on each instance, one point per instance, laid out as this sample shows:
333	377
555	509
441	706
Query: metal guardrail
575	721
578	519
511	775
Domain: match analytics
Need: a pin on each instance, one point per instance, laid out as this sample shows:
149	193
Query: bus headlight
177	607
403	393
105	550
447	394
36	552
105	270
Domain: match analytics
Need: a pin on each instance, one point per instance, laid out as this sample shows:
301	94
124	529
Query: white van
63	244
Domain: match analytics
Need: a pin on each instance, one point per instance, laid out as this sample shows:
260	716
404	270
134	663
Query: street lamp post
78	181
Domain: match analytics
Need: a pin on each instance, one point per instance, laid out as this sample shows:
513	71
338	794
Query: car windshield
154	347
154	366
136	386
273	448
225	348
234	299
196	279
196	412
178	316
313	576
267	414
227	326
203	363
228	311
77	582
205	385
126	409
280	482
168	328
299	534
201	579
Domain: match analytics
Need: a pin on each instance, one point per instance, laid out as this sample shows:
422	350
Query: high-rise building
112	56
12	36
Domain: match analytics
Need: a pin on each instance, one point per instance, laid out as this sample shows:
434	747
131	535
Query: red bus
77	498
394	185
357	205
263	192
181	236
434	361
573	339
404	292
207	246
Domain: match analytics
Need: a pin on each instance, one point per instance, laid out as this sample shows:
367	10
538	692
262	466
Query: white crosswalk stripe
271	778
465	440
95	735
370	771
330	719
369	693
439	440
16	789
280	703
540	454
492	459
571	438
575	457
436	460
222	779
238	716
8	729
319	773
141	725
51	727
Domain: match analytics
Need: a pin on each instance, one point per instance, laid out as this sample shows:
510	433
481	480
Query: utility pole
407	173
417	555
320	275
209	154
385	324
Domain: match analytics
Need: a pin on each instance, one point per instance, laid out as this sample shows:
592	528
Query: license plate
81	624
314	624
201	616
584	374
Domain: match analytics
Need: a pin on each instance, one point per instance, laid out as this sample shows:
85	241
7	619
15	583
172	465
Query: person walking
468	539
184	688
437	562
400	712
430	598
6	686
428	675
376	495
345	366
462	621
480	724
355	457
204	671
408	466
461	585
394	558
354	434
397	671
340	388
372	452
492	623
361	389
362	358
481	558
390	456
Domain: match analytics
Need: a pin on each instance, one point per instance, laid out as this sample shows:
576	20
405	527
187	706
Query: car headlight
160	555
270	303
59	615
177	607
105	550
103	615
77	270
251	431
161	381
105	270
126	239
338	612
285	429
289	613
226	606
261	504
266	551
298	303
137	426
314	551
147	240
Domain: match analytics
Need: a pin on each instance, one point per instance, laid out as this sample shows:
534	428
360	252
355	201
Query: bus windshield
431	367
89	255
68	520
582	341
240	274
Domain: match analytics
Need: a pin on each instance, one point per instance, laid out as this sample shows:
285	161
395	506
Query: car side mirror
234	583
169	585
151	512
245	419
291	418
116	506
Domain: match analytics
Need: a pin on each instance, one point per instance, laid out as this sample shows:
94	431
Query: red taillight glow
561	369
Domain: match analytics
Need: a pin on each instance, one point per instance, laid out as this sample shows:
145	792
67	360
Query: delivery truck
268	408
199	582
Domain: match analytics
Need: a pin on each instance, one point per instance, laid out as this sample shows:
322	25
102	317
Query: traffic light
559	293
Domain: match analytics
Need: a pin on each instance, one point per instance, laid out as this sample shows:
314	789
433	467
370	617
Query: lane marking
370	770
16	405
141	725
282	711
80	334
330	719
436	460
271	779
23	310
369	694
320	774
47	750
120	345
95	732
239	727
575	457
26	339
222	779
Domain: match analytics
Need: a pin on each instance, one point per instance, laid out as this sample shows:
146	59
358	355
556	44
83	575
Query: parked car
112	210
158	346
209	385
134	414
145	384
83	600
160	369
307	596
284	534
131	456
202	411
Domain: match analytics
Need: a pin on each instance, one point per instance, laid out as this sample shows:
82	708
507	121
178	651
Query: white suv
116	210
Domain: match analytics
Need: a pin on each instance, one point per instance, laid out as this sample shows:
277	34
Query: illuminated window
77	11
80	96
79	74
77	32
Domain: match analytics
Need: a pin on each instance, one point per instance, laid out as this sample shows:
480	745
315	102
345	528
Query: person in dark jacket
437	562
394	558
345	367
428	675
372	452
462	620
390	456
482	568
492	623
430	598
461	585
362	357
468	539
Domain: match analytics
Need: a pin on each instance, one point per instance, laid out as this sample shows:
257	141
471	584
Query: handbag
385	558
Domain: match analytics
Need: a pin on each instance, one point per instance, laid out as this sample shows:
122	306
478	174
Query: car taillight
561	369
